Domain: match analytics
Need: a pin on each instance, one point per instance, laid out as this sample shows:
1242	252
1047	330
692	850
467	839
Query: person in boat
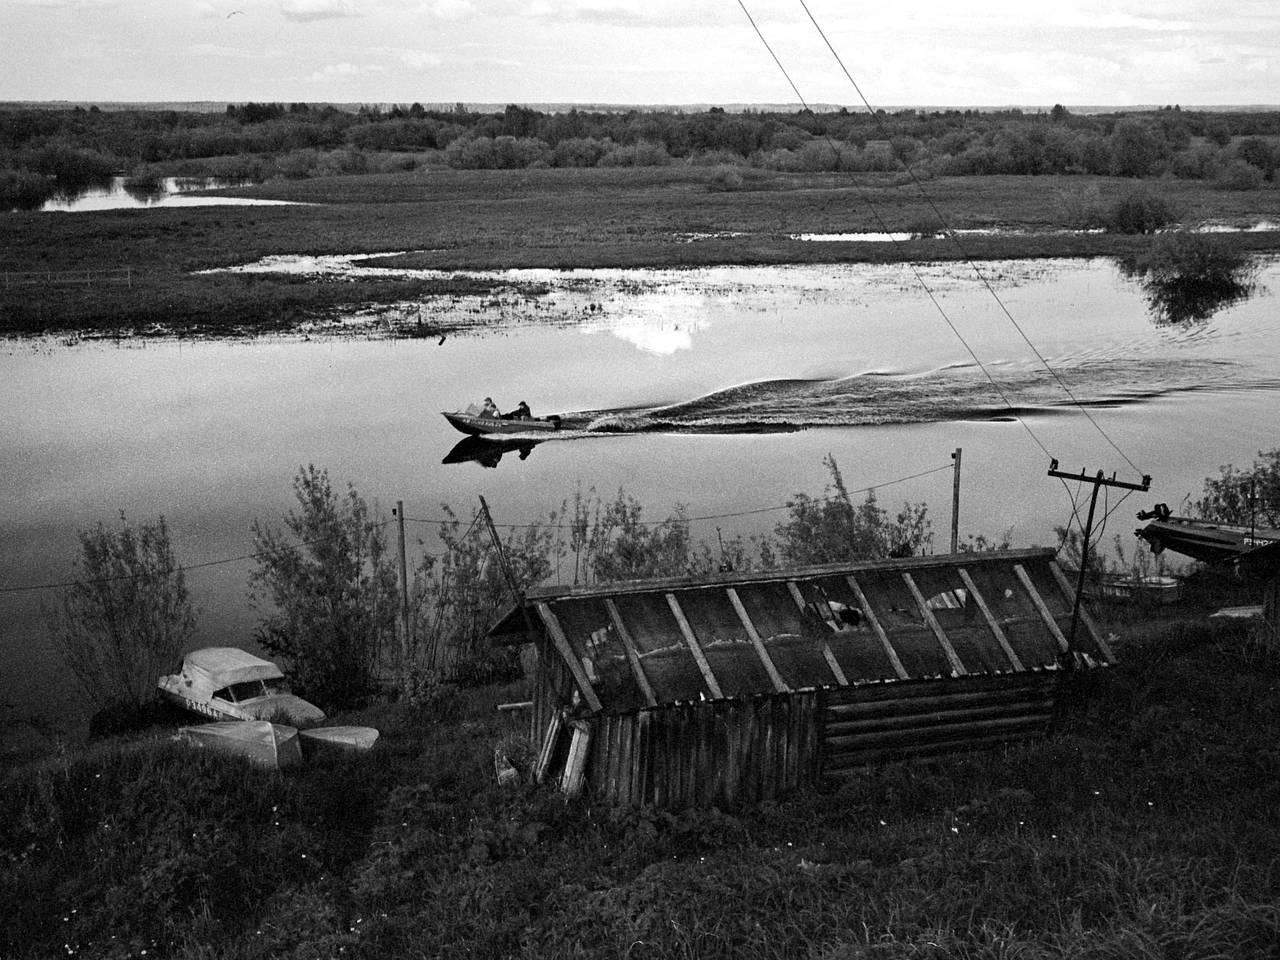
490	409
521	412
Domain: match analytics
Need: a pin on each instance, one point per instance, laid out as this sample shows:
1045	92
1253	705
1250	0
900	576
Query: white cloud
345	71
419	59
450	9
306	10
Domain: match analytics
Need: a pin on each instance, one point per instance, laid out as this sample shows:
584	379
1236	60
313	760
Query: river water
721	389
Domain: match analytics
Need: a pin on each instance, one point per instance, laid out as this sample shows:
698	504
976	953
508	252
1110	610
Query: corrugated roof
647	643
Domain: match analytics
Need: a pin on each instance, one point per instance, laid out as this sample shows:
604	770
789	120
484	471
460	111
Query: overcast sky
903	52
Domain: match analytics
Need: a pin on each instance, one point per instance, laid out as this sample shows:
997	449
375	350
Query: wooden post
405	635
955	503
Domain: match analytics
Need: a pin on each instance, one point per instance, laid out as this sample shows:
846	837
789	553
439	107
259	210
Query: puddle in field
123	194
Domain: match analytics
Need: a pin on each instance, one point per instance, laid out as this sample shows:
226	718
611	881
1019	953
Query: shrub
1239	175
1246	496
128	616
832	528
1139	211
643	153
725	179
332	592
24	190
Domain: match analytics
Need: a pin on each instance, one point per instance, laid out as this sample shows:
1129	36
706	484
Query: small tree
332	585
1249	496
128	616
832	528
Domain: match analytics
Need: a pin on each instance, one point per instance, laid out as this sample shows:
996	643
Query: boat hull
486	426
272	745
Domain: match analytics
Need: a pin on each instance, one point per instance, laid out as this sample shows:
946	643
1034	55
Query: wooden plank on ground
552	623
865	605
1069	593
694	647
957	666
762	652
1045	614
998	633
633	656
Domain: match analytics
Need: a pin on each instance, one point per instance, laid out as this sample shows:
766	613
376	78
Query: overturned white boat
272	745
226	683
343	739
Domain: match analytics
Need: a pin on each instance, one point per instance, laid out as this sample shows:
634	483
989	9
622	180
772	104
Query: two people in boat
521	412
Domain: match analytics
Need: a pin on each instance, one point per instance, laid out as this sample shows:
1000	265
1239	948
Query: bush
24	190
832	528
1188	276
1249	496
1140	211
1239	175
725	179
332	592
127	618
644	153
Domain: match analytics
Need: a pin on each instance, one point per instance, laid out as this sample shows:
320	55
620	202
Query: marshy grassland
1144	827
453	220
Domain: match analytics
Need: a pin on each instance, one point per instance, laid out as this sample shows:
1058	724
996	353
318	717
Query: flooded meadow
720	389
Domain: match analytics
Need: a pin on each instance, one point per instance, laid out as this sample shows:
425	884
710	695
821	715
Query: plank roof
649	643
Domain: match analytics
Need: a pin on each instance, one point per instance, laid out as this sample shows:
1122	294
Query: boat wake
953	393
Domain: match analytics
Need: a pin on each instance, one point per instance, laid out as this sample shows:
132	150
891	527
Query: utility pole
404	592
1098	481
955	503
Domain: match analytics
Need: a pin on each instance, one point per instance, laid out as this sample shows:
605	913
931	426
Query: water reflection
487	452
1189	300
1188	277
122	193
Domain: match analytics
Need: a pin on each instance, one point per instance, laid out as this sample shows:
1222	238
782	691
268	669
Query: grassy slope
559	218
1147	827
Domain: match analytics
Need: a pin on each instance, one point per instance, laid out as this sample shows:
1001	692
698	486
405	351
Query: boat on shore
227	683
346	739
1204	540
272	745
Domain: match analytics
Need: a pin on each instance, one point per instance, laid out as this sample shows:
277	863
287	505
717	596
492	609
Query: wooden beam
694	647
865	605
996	631
827	653
633	656
957	665
1069	593
775	678
1042	608
552	623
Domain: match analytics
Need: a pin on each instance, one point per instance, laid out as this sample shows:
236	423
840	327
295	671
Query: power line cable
951	236
884	227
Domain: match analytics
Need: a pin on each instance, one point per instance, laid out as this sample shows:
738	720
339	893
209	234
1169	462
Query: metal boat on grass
227	683
272	745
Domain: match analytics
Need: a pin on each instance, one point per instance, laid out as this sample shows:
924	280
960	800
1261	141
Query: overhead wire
915	270
30	588
954	239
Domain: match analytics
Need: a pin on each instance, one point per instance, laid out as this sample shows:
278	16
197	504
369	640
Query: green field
476	219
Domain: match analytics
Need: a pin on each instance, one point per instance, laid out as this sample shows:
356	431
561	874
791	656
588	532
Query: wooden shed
739	687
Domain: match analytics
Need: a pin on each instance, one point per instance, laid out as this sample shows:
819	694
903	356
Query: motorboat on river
476	424
227	683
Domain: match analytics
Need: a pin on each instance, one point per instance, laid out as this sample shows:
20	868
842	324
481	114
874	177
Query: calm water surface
721	389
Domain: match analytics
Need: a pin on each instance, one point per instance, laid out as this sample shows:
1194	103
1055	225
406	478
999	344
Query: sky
902	53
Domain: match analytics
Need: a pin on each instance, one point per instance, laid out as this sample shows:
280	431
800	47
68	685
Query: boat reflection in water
487	451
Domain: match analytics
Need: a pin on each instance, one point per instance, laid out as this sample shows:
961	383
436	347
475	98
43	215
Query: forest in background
46	151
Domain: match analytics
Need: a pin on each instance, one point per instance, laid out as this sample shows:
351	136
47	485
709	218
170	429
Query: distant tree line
66	148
